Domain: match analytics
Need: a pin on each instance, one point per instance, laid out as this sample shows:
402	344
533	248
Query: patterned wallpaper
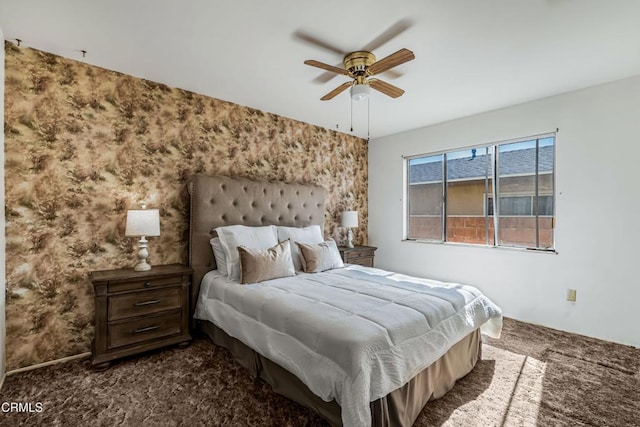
84	144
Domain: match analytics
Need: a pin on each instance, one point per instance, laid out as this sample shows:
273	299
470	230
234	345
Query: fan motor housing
358	63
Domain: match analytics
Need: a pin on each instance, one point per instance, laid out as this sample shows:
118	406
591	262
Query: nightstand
361	255
138	311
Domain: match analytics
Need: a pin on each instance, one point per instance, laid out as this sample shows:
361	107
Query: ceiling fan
361	66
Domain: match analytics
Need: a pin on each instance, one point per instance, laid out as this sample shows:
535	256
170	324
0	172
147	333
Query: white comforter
352	334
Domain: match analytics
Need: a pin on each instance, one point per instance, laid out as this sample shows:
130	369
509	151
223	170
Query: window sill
474	245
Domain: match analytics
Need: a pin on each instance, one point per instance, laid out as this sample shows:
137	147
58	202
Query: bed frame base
400	408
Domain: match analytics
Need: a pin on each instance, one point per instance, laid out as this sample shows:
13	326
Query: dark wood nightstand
361	255
138	311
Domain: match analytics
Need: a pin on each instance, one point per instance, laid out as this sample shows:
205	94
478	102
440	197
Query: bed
321	367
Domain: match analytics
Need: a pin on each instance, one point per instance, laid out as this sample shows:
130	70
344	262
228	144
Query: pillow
258	265
219	255
310	235
239	235
320	257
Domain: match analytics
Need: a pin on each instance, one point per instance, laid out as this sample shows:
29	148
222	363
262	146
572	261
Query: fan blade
308	38
336	91
391	33
326	67
393	60
386	88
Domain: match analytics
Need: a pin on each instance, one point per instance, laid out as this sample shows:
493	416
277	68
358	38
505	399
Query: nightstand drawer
149	328
366	262
138	285
141	303
359	254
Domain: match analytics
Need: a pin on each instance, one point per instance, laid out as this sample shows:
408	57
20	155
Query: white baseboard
42	365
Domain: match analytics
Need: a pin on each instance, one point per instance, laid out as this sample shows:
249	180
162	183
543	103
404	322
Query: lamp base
142	266
143	254
350	239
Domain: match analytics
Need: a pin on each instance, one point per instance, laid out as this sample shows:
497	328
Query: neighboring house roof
517	162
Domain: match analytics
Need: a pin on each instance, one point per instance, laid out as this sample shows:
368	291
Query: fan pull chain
368	116
351	114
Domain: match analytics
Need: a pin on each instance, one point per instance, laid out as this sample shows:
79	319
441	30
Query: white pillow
240	235
310	235
219	255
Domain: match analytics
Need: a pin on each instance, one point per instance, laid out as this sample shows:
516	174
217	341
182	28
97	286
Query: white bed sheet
352	334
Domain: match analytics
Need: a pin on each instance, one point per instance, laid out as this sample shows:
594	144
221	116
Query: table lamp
143	223
349	220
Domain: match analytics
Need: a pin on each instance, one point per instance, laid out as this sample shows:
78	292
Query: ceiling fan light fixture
360	92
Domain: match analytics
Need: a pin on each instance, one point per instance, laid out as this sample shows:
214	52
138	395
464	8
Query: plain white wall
2	235
597	206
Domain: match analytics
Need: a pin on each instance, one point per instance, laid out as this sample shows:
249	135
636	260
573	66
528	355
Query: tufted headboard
218	200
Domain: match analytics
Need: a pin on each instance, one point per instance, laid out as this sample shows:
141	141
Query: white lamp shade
143	222
349	219
360	92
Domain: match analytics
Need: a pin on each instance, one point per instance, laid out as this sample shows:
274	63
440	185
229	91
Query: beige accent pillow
258	265
320	257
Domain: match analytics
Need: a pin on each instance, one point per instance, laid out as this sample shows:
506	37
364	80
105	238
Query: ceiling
471	56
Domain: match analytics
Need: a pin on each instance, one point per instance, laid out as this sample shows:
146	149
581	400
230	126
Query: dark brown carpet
533	376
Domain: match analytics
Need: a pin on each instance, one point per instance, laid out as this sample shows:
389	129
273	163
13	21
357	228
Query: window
450	196
425	196
522	205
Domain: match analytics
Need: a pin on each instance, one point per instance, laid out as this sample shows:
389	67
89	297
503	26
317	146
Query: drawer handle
140	304
147	329
147	285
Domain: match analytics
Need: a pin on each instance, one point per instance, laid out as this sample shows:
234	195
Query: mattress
352	334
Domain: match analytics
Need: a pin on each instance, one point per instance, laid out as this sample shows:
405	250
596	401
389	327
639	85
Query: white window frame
493	150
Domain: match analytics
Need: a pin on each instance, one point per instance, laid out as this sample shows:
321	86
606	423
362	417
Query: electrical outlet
571	295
